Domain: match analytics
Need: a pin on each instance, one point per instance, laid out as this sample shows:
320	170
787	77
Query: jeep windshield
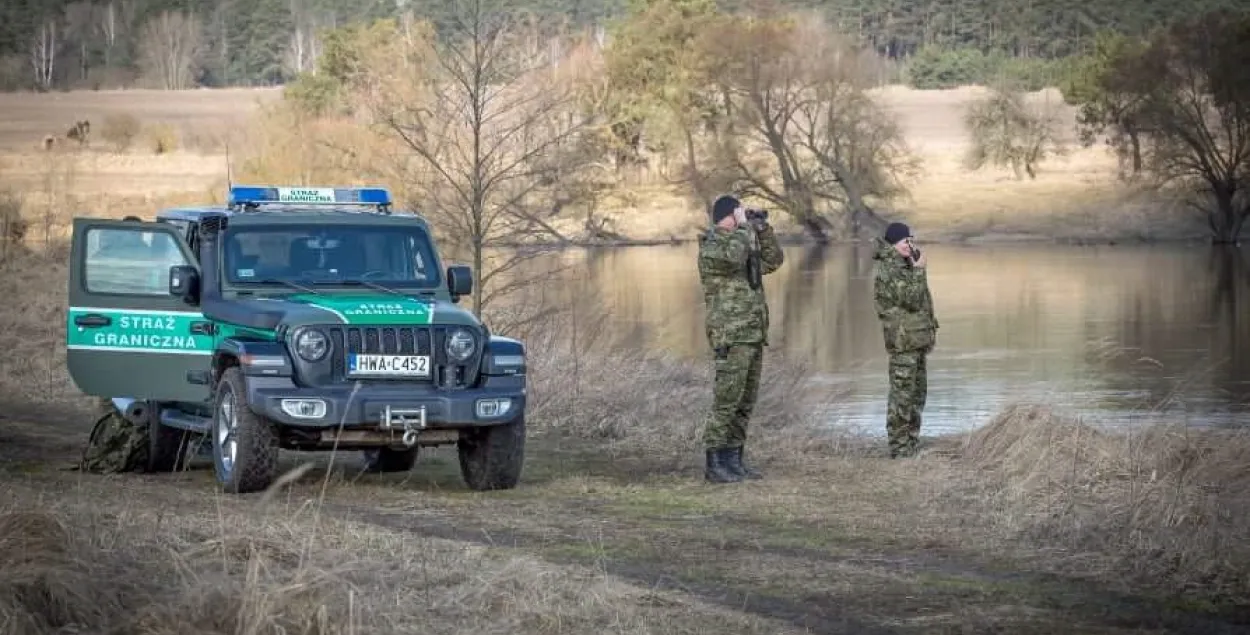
350	255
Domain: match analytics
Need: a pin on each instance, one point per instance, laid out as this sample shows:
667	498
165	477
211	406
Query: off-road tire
492	457
390	460
256	457
167	447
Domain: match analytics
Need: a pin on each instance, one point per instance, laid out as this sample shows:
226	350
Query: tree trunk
861	218
1225	220
1135	143
477	274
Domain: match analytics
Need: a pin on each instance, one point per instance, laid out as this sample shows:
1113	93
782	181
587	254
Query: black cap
723	208
896	232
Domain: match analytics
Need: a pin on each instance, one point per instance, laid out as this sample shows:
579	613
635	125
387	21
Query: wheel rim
227	426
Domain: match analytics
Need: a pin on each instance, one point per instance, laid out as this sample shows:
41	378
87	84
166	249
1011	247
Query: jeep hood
345	309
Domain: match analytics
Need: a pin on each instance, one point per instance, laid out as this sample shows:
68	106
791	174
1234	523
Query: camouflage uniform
905	308
116	444
731	267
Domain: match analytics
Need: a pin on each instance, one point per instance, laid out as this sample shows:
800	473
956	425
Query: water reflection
1120	334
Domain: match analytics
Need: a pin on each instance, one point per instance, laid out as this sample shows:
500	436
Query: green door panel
125	335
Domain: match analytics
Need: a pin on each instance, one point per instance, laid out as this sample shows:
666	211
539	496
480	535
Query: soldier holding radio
905	308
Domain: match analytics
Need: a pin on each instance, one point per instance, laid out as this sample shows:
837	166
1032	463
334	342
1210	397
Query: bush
121	130
12	226
935	68
162	138
314	94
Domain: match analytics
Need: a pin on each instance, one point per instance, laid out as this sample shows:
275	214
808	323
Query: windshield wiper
289	283
374	285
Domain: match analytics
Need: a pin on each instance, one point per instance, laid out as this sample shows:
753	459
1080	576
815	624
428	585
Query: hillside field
1075	197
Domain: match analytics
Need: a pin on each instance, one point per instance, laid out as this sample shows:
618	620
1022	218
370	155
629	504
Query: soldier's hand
920	262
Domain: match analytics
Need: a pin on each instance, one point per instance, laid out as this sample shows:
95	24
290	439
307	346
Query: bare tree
1006	130
801	132
171	49
80	19
490	132
108	27
43	51
304	47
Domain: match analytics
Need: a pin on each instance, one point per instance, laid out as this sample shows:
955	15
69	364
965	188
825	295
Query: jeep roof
283	205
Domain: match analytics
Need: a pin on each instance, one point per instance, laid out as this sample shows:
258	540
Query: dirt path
818	570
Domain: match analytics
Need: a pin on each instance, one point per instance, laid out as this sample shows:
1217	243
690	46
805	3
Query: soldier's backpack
116	444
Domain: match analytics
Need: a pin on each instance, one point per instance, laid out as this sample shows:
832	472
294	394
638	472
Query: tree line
495	132
63	44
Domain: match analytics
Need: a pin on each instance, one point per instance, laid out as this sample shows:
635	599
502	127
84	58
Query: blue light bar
262	194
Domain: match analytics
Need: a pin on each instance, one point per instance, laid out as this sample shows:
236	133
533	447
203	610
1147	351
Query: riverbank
1075	199
1032	523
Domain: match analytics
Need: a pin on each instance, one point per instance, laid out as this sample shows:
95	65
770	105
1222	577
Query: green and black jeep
297	318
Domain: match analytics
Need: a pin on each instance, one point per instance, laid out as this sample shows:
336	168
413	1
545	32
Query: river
1118	335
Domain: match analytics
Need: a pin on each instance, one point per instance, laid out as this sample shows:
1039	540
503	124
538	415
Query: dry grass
1164	510
1076	197
1164	503
636	401
29	117
74	568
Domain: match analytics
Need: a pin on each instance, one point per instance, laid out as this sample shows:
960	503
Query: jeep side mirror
459	281
184	282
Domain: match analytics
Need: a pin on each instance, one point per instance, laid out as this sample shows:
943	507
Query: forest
101	44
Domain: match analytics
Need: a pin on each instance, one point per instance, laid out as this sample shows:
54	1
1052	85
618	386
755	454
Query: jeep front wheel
245	446
492	457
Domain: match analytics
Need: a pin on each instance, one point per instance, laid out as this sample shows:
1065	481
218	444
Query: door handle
203	328
93	320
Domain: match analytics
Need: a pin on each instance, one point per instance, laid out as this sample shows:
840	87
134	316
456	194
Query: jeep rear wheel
245	446
390	460
492	457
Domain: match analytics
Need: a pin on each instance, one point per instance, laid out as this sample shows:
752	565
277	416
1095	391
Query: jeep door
125	335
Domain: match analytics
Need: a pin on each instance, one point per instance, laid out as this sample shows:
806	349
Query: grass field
1036	523
1075	197
1033	524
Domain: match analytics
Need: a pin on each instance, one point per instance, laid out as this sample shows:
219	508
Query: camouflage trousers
116	444
909	387
736	385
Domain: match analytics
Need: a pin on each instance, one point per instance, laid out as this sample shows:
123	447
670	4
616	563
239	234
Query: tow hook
411	420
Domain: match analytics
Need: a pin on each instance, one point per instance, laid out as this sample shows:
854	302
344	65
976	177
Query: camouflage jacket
903	301
731	267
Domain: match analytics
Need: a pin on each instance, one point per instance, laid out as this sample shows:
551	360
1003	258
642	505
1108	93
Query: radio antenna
229	178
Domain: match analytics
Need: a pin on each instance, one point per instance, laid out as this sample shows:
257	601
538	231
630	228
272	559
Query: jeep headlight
312	345
460	345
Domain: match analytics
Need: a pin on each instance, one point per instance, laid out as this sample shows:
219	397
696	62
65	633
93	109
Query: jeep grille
403	340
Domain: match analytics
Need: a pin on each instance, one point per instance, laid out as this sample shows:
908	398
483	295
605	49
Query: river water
1117	335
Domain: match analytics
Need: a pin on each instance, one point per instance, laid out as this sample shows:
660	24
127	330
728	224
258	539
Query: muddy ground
810	549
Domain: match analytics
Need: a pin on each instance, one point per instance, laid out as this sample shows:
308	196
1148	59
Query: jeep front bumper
500	400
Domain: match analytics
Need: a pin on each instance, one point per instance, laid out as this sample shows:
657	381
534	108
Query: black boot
736	465
717	471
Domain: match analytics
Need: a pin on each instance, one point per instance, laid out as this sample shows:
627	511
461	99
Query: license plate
389	365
